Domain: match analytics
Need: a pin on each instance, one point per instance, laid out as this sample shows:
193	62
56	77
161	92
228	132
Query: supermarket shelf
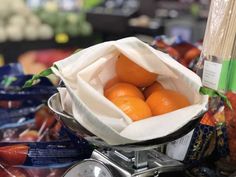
11	50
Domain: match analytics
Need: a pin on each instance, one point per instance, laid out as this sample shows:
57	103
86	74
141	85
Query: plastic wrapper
44	144
11	89
12	80
196	145
44	154
217	67
204	150
32	142
17	106
41	126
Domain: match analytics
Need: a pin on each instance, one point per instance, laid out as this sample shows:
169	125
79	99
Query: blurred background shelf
33	23
12	50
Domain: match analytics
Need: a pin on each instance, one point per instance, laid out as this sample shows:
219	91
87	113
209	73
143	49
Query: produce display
71	23
19	22
185	53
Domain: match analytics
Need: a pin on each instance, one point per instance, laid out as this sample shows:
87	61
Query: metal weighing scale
131	160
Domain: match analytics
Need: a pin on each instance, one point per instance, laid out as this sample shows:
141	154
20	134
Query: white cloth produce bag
86	72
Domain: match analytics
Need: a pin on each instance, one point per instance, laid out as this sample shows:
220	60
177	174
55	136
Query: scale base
124	166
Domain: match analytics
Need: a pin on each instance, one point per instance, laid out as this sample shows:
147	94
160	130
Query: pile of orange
138	94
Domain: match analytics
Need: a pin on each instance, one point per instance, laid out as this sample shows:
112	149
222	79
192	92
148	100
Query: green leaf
35	77
214	93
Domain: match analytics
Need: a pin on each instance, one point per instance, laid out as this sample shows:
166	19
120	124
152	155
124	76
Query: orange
156	86
111	82
122	89
130	72
133	107
165	101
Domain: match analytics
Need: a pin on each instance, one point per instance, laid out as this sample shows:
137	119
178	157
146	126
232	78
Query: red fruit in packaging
44	117
14	154
173	53
54	132
183	48
29	136
189	56
161	44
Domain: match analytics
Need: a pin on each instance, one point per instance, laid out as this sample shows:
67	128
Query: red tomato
14	154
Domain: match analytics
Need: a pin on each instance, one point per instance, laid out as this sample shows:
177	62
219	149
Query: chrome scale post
137	164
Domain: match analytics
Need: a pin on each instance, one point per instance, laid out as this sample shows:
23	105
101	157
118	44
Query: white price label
177	149
211	74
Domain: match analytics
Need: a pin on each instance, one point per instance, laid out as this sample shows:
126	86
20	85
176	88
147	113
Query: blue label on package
53	154
17	117
202	144
56	154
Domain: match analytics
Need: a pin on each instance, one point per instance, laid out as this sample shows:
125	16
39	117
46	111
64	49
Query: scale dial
89	168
